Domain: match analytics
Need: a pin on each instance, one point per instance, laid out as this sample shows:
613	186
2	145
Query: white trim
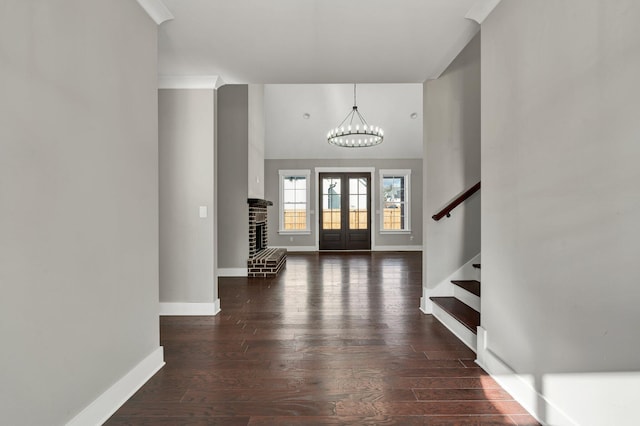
518	385
190	308
397	248
426	305
189	82
372	179
481	10
296	248
233	272
106	404
463	333
281	175
157	10
376	248
425	308
466	297
406	173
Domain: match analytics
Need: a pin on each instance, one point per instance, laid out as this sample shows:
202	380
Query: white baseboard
297	248
519	386
423	305
461	332
232	272
294	249
397	248
190	308
106	404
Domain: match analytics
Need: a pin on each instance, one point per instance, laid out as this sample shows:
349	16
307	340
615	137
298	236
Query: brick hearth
263	261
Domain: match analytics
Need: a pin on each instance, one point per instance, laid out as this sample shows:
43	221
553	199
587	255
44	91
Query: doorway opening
345	211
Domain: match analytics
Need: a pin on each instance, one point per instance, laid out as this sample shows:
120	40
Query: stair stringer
444	288
463	333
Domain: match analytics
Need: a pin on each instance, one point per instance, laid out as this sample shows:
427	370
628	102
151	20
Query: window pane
394	202
362	186
353	202
288	183
362	202
294	203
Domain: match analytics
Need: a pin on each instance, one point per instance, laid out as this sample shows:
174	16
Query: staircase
461	313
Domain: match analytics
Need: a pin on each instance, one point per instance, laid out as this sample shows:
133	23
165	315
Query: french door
345	211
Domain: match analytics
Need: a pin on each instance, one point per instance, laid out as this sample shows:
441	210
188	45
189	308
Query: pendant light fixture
354	131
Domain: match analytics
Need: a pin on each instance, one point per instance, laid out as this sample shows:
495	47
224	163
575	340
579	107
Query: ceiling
289	135
304	51
313	41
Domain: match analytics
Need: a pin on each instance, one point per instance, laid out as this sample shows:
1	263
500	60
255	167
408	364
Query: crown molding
481	9
157	10
190	82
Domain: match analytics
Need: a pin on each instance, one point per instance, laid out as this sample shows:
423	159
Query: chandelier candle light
355	135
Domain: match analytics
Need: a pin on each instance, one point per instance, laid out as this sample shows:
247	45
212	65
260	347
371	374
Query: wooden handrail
455	203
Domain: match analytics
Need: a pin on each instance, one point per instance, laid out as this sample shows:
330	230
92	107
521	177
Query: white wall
186	158
452	165
560	203
256	117
79	197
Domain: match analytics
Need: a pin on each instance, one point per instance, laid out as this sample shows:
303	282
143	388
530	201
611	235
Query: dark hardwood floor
336	339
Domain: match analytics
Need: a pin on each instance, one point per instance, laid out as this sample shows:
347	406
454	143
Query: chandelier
358	134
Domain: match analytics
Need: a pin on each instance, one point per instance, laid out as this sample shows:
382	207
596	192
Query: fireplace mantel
259	202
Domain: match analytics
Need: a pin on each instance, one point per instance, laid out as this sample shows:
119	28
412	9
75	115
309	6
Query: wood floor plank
156	421
229	409
524	420
465	354
335	339
461	395
425	408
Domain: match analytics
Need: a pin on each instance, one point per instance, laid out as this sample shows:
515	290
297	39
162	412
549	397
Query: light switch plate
203	211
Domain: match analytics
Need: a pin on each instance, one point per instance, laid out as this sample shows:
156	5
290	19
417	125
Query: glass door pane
358	211
331	201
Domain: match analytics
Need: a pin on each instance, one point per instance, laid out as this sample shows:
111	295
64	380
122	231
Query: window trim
282	174
406	173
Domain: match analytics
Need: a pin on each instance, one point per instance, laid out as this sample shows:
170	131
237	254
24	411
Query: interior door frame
374	197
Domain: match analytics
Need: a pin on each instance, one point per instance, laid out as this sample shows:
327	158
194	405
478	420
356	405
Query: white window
294	202
395	200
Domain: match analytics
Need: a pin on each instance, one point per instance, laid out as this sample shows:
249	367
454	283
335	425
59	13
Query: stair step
476	265
472	286
467	316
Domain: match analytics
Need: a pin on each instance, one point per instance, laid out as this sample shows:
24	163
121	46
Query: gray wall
186	143
256	141
79	197
560	207
272	194
233	210
452	158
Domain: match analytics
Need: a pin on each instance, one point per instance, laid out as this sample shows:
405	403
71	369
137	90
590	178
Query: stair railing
446	211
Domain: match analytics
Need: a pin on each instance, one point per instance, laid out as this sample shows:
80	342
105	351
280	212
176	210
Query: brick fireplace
263	260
